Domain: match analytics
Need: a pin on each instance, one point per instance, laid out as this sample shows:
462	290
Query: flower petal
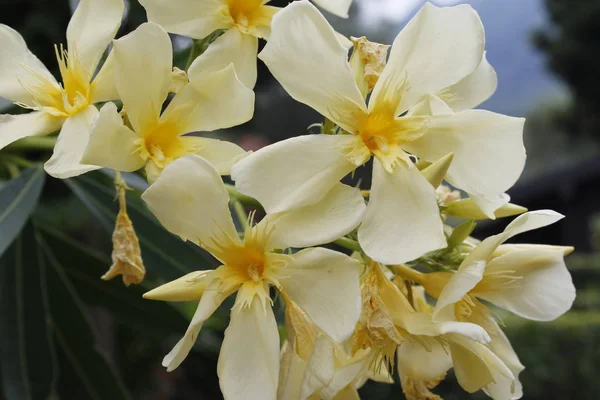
461	283
210	301
91	29
37	123
477	367
543	289
305	55
189	199
231	47
320	367
337	214
436	49
15	61
523	223
71	144
473	89
112	144
143	73
490	204
220	153
402	221
105	83
194	18
221	100
310	278
291	373
295	172
328	372
489	155
189	287
502	348
420	363
248	365
337	7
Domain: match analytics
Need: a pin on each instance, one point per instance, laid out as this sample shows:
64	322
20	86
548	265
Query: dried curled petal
126	254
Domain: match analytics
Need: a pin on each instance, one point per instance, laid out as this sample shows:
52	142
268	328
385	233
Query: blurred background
108	344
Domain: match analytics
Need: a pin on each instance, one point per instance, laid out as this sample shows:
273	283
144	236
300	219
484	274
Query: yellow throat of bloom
251	17
162	142
380	132
248	265
61	101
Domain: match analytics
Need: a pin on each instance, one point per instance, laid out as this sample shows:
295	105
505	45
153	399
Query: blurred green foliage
572	44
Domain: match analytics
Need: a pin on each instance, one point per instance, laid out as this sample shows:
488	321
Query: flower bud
468	209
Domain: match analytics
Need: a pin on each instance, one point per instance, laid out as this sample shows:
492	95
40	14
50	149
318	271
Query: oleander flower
531	281
528	280
67	106
440	52
492	367
425	348
315	367
155	138
244	22
322	282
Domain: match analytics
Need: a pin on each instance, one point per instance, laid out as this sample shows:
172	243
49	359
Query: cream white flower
66	106
143	70
493	367
439	52
323	283
315	367
531	281
425	348
244	22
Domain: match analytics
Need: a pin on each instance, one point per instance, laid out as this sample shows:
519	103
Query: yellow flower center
251	16
247	264
162	142
381	132
62	101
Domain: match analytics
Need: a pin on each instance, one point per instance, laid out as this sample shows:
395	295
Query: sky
373	11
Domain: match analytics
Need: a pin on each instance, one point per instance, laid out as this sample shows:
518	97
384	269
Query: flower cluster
414	293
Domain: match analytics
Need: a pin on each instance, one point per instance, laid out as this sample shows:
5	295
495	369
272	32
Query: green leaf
85	372
26	349
165	255
84	266
17	201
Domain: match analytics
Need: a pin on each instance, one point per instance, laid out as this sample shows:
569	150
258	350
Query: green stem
240	211
34	143
348	244
242	198
193	54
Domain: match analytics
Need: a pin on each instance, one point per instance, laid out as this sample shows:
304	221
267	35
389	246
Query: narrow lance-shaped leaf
85	371
17	201
26	349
